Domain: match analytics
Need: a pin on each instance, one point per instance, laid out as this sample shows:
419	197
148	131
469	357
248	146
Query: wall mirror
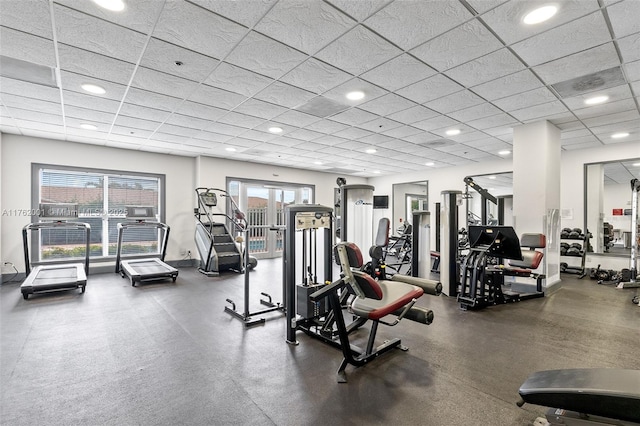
408	197
607	212
500	185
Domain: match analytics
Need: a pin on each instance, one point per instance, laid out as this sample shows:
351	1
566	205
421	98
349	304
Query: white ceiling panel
482	6
606	108
353	116
88	101
27	47
73	82
95	35
489	67
181	120
539	111
284	94
216	97
89	114
579	64
306	26
435	123
35	116
246	12
205	112
632	71
387	104
259	108
405	22
305	134
297	118
16	101
498	120
376	139
398	72
225	129
413	114
529	98
236	79
618	117
478	111
508	85
506	19
630	47
34	19
624	17
141	15
358	51
402	132
91	64
241	120
379	125
136	123
470	41
144	112
359	10
171	59
327	126
315	76
212	137
430	88
338	93
159	82
205	32
29	90
581	34
613	93
257	52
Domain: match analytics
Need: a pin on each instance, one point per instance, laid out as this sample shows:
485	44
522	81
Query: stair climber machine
631	278
219	250
50	276
141	220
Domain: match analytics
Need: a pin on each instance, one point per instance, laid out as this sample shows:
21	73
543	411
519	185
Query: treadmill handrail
36	226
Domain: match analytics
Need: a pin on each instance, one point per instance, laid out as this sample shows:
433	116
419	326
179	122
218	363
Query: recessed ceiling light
596	100
230	149
355	95
429	164
92	88
505	152
453	132
319	163
275	129
114	5
376	171
636	164
620	135
371	151
540	14
492	177
88	126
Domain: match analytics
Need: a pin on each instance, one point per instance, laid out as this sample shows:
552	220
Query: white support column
536	188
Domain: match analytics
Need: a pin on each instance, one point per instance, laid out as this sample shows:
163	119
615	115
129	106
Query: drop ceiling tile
327	126
358	51
539	111
576	36
482	6
89	101
304	25
398	72
469	41
168	137
430	88
159	82
567	125
403	22
315	76
437	122
144	112
614	93
216	97
241	120
486	68
184	121
206	32
618	117
632	71
73	82
380	124
329	140
375	139
136	123
569	134
205	112
27	47
305	134
141	15
151	100
29	90
162	56
213	137
582	146
359	10
89	114
498	120
473	113
236	79
225	129
413	114
77	134
624	17
35	116
402	131
37	127
387	104
630	47
454	102
16	101
91	64
297	118
87	32
284	95
579	64
526	99
508	85
34	19
258	135
129	132
259	108
246	12
352	133
506	19
353	116
242	142
608	129
258	52
607	108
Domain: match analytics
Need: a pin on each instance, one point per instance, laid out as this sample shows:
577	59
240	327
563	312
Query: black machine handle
327	290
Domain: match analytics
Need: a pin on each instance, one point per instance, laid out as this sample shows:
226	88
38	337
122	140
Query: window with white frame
102	197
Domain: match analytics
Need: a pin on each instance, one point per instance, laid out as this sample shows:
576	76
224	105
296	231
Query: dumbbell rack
576	270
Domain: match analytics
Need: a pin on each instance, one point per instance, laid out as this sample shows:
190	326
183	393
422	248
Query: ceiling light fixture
275	129
87	126
492	177
596	100
636	164
318	163
355	95
371	151
429	164
540	15
505	152
376	171
113	5
230	149
620	135
453	132
92	88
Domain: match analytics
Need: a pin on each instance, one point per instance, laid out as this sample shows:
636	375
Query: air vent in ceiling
322	107
438	143
257	152
27	71
590	82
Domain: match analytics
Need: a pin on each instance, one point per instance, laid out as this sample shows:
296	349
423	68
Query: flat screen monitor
380	201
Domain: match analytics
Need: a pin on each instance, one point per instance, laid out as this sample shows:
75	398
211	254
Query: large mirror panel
498	185
608	205
408	197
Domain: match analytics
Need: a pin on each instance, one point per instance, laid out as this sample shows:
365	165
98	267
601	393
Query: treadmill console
58	211
140	212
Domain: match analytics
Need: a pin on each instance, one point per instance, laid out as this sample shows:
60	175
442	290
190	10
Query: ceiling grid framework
203	77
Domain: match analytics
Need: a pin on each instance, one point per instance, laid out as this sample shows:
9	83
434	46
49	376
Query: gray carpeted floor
167	354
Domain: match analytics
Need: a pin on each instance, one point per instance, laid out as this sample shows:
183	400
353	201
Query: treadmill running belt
56	276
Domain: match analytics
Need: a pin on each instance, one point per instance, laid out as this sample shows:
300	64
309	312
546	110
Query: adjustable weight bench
374	300
585	397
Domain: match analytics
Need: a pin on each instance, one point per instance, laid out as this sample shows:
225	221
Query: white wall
617	196
183	174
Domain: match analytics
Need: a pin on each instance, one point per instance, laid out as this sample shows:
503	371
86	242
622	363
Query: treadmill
51	276
146	268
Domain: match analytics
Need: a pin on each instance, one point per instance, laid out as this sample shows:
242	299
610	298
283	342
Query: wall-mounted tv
380	201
